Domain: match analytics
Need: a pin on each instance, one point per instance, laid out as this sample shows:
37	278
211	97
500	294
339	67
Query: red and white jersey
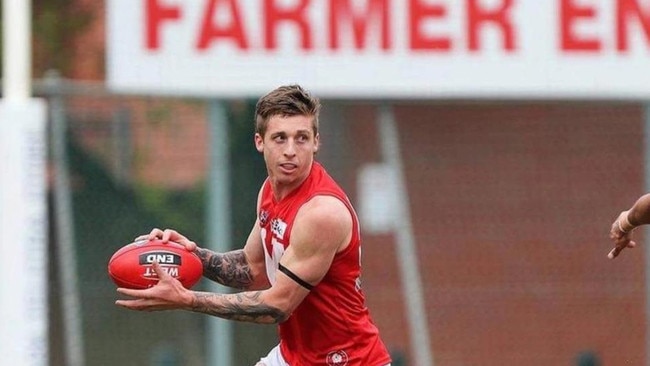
332	325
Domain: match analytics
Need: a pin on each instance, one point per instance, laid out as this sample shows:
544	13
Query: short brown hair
286	101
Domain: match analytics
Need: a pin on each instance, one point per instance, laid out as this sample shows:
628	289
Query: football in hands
131	266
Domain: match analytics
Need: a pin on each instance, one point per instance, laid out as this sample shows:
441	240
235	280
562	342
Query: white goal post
23	207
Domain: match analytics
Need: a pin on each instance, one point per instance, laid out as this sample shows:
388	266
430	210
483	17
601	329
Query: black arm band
293	276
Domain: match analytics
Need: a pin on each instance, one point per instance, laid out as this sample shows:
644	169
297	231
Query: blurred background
504	194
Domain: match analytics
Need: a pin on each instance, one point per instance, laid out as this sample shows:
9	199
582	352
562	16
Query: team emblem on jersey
278	228
337	358
264	217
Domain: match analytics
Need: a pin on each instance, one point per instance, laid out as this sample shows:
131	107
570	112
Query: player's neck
281	190
284	185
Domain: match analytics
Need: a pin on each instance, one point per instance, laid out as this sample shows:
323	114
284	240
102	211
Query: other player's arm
622	227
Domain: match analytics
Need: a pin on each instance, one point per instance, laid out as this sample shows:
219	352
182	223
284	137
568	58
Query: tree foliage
55	26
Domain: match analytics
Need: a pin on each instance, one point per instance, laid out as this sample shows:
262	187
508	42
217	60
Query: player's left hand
168	235
167	294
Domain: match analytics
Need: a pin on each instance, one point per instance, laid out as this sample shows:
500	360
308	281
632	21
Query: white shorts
274	358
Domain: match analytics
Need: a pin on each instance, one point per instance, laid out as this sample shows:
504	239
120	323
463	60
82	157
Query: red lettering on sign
274	15
155	14
625	11
477	16
570	13
210	31
361	22
418	13
340	9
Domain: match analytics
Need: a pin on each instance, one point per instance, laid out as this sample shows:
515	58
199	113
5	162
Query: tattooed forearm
229	269
247	307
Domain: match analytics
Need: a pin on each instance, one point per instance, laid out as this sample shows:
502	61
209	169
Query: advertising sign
382	48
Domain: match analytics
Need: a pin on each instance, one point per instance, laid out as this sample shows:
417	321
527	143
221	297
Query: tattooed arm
243	269
264	307
246	306
322	228
229	269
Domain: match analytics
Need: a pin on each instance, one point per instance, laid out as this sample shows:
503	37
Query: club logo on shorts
337	358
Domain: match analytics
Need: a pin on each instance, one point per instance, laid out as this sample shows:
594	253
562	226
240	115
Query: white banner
382	48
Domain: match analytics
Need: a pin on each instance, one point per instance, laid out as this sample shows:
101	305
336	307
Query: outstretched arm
169	294
623	226
231	269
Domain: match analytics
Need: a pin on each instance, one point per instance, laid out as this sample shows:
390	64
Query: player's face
288	146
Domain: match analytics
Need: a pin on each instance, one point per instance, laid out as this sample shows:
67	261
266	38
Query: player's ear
259	142
316	143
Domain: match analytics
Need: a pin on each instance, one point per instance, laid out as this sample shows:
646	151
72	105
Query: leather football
131	266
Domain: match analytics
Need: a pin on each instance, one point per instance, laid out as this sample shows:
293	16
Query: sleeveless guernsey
332	325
